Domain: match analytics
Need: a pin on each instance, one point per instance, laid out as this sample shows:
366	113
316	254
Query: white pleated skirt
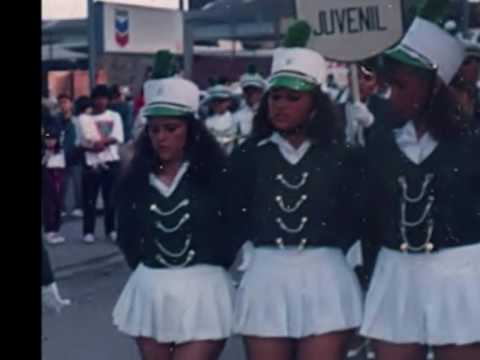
431	299
176	305
287	293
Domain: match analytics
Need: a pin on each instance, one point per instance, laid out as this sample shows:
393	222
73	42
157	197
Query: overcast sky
74	9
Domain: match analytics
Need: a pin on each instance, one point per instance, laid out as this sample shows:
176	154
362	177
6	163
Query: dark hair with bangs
324	128
207	160
442	114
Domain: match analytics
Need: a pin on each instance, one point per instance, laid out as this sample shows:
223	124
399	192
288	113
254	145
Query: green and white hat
252	79
219	92
166	94
427	45
294	66
173	96
471	44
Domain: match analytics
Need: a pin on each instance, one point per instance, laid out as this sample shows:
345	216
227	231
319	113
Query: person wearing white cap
220	122
178	302
295	204
422	202
253	86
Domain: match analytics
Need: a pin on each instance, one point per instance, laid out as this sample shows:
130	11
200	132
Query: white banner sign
141	30
352	30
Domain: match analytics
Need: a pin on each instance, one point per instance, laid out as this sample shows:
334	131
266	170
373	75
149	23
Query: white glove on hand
358	112
51	298
358	118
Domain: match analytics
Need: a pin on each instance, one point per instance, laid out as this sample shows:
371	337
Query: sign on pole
352	30
130	29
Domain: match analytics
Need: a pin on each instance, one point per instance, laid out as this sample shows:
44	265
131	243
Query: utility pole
91	44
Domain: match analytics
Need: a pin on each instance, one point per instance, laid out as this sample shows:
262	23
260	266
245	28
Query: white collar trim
162	188
292	155
417	150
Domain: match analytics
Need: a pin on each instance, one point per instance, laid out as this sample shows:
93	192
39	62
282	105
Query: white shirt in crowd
93	128
55	160
417	150
224	128
243	119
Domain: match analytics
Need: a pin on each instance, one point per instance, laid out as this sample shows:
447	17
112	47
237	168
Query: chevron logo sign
121	27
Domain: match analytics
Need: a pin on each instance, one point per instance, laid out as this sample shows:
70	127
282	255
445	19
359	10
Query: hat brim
162	111
252	84
404	58
290	82
220	96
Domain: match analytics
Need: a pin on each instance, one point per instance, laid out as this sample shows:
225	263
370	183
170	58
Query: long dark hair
442	114
206	158
324	128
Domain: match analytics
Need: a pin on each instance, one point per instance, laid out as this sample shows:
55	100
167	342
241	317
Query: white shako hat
428	46
294	66
173	96
166	94
252	79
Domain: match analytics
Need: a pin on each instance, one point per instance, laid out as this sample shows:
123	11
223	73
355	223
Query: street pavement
74	255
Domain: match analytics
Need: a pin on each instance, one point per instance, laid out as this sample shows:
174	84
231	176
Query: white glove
359	113
51	298
248	251
358	118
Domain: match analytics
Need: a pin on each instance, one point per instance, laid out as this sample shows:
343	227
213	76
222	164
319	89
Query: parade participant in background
293	198
253	86
465	83
51	298
178	301
220	121
423	195
100	135
162	60
53	168
73	171
331	87
358	118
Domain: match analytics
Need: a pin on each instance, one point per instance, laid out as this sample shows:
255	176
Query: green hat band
291	80
159	109
220	95
410	57
253	83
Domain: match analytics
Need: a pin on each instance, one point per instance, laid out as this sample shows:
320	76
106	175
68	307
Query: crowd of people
352	217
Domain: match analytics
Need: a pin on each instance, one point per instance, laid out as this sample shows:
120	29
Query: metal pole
181	5
355	86
91	45
188	44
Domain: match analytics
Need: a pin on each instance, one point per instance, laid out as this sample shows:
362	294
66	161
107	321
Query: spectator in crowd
72	170
100	133
121	106
53	167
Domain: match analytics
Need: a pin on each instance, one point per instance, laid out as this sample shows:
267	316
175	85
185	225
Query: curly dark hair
207	159
442	114
324	128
